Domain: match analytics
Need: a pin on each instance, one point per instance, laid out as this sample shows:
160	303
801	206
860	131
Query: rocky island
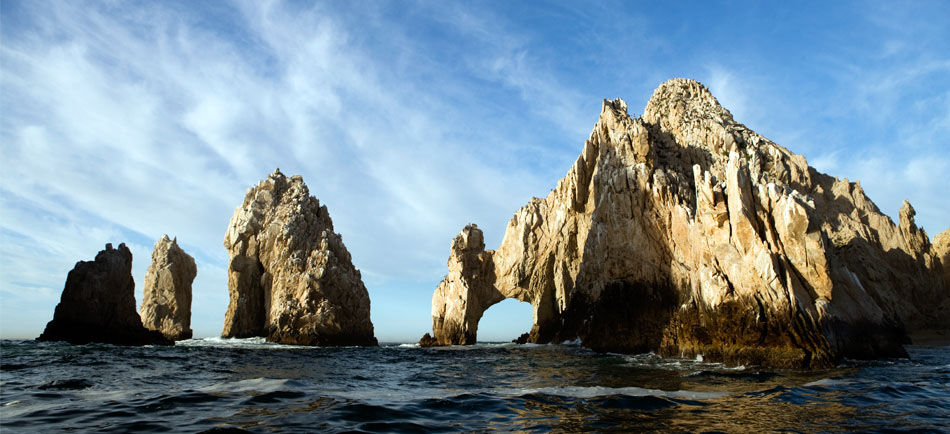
290	277
167	304
98	304
685	233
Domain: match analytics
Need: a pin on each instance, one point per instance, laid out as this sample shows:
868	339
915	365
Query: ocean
230	385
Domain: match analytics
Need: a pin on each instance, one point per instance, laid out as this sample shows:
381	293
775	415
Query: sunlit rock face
685	233
167	304
98	304
290	277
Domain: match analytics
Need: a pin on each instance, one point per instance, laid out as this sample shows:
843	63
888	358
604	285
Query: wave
587	392
826	382
255	342
255	385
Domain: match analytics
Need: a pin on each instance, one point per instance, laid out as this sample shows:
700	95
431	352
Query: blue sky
122	121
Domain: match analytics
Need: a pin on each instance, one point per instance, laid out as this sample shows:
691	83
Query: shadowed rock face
290	277
941	248
98	304
167	304
684	232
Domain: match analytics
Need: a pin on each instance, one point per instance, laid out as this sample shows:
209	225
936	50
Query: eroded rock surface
686	233
290	277
465	293
167	304
941	245
98	304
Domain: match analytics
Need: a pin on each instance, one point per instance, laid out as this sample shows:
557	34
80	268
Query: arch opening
505	321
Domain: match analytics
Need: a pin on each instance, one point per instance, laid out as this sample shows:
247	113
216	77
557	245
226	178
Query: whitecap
255	342
261	385
825	382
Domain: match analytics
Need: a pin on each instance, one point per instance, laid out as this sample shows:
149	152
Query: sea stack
290	277
167	304
685	233
98	304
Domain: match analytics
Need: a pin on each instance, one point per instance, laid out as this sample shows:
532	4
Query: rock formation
466	292
98	304
290	277
941	248
685	233
941	244
167	304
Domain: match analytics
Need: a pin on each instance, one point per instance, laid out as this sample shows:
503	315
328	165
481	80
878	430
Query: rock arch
470	288
685	233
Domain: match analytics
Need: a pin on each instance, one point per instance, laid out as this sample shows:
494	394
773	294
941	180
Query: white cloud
135	123
730	92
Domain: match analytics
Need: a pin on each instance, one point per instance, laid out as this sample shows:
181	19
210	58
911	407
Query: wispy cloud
131	123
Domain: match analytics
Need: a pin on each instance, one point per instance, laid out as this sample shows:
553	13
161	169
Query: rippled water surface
214	384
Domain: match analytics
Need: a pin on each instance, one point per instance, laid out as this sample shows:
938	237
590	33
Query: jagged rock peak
98	304
168	293
290	277
469	239
686	97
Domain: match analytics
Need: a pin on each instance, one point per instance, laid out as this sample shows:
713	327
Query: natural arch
505	321
470	288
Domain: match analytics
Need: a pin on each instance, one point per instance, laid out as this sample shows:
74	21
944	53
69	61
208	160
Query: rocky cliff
686	233
98	304
290	277
167	304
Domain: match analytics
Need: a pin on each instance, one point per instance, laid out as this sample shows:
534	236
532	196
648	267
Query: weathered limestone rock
466	292
98	304
941	250
290	277
167	304
941	245
684	232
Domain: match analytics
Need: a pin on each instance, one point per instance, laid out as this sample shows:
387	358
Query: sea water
227	385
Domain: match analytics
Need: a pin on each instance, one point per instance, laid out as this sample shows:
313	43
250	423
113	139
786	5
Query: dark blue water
201	385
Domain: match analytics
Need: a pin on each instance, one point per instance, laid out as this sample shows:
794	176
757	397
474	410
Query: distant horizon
122	123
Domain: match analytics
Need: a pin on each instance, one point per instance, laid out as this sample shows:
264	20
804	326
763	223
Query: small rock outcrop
290	277
98	304
685	233
167	304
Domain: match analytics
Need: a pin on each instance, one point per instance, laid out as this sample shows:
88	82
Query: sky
123	121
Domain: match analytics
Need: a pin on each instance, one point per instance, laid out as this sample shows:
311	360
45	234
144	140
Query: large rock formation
686	233
167	304
98	304
290	277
